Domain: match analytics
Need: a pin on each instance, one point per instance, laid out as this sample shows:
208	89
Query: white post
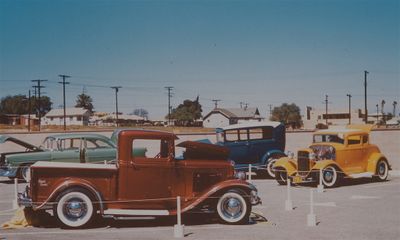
250	173
288	202
320	185
311	217
15	202
178	228
105	162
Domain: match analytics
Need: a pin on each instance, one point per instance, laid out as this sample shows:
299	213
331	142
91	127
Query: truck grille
303	163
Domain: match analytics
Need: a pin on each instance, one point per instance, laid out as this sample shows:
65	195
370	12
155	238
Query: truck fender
69	183
373	160
222	186
270	153
288	164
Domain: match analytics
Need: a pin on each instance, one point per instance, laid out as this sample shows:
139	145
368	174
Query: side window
243	135
231	135
354	140
256	133
150	148
365	139
70	144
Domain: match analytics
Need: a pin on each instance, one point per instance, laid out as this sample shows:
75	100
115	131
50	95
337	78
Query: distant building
221	117
314	117
74	116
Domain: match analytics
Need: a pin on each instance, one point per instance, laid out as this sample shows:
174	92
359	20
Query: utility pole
270	110
29	110
326	109
116	103
63	83
39	87
169	103
216	102
365	97
349	95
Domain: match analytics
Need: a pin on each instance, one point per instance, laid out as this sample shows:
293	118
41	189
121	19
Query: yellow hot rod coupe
336	154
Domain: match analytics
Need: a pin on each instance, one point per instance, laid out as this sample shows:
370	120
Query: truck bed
50	177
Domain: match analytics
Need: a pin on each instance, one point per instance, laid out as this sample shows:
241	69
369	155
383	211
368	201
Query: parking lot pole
178	228
311	217
320	187
288	202
15	202
250	173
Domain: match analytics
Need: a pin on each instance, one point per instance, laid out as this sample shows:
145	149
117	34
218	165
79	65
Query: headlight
290	154
312	156
240	175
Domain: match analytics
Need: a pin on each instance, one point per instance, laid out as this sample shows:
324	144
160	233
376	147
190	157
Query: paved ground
359	210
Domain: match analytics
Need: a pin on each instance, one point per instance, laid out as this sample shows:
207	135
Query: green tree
84	101
19	104
187	112
289	114
141	113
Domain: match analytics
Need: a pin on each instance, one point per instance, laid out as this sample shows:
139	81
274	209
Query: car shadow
191	219
346	182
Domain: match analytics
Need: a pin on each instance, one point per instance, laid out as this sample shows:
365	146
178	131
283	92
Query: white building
221	117
74	116
314	117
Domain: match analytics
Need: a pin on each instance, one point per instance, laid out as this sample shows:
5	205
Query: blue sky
259	52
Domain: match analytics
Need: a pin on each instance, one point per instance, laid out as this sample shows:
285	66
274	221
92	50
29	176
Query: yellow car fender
288	164
324	163
373	160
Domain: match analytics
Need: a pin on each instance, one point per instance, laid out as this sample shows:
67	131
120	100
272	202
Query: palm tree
84	101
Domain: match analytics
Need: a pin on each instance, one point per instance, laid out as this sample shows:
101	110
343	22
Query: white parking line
356	197
326	204
381	185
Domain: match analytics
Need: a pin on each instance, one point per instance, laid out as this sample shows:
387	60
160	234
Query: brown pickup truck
144	180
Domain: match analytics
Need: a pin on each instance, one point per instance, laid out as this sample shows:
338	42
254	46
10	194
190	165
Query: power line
116	103
39	87
216	102
169	103
64	83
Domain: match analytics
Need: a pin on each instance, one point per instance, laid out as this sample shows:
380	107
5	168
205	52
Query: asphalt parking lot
361	209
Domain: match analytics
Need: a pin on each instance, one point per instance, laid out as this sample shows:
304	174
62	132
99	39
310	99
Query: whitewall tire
233	208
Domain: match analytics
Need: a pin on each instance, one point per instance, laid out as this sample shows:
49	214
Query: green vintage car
84	148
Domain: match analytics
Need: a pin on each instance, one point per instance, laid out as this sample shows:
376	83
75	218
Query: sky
259	52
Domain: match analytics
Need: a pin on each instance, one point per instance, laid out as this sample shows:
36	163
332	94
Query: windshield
336	138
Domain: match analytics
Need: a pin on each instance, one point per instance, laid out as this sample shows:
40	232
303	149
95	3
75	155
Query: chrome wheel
329	176
233	208
382	170
74	209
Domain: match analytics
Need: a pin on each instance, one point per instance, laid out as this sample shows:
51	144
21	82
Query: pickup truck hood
6	138
201	150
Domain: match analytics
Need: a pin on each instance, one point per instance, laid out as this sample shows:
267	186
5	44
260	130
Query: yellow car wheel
382	170
281	176
330	176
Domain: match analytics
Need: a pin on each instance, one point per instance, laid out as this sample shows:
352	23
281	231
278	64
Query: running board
361	175
136	212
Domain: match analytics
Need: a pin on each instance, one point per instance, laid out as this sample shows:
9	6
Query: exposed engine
323	152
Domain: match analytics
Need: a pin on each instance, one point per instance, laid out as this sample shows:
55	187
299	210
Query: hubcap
232	207
75	209
382	169
329	175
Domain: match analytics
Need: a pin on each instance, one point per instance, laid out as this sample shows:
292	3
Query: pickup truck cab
142	183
